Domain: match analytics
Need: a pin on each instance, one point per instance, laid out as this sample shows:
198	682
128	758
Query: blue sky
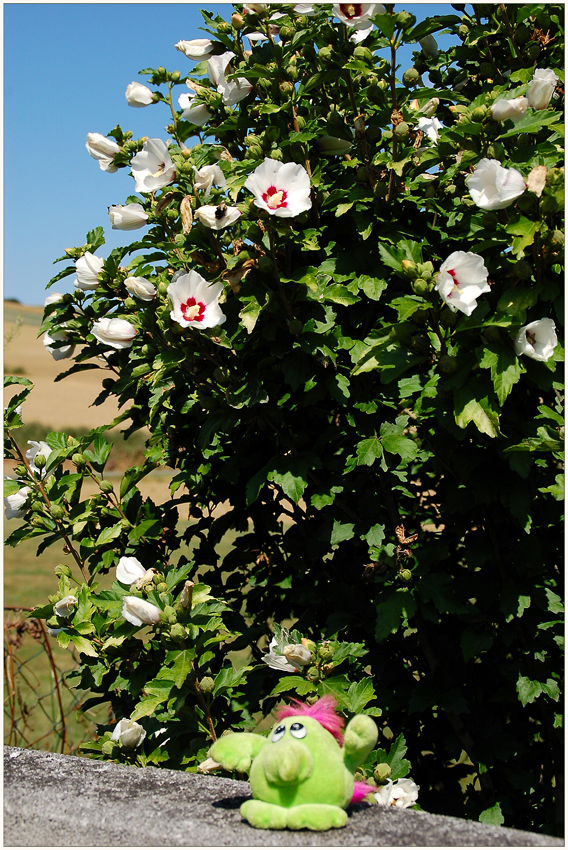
66	68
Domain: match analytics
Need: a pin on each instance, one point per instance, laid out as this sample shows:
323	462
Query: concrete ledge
63	801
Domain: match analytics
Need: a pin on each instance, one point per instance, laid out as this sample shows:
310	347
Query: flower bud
207	685
237	21
106	486
313	673
325	652
309	644
298	654
479	114
39	461
37	506
402	130
405	20
420	286
411	78
57	512
177	632
409	268
62	570
382	772
554	176
108	748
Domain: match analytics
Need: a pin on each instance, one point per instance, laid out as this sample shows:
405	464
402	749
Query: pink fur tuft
323	711
360	791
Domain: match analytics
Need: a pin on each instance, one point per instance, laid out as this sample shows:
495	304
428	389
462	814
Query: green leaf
341	531
505	367
228	677
293	683
181	666
468	408
532	122
359	694
517	301
551	689
528	690
390	612
108	534
398	764
524	231
147	706
84	646
403	446
493	815
250	313
368	451
371	286
292	485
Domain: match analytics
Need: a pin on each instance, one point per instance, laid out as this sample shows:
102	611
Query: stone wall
63	801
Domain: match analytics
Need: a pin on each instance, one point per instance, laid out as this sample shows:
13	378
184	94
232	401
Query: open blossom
129	570
129	733
512	109
65	606
38	447
357	15
294	657
195	113
493	187
54	298
138	95
217	217
462	279
232	90
139	612
280	188
88	267
152	167
117	333
537	340
207	177
128	217
140	288
430	127
195	301
61	352
196	49
102	149
14	504
400	794
541	88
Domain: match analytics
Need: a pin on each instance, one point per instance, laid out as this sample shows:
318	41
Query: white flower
254	8
140	288
14	504
54	632
217	217
282	189
400	794
152	167
139	612
279	662
430	107
129	217
429	46
430	127
197	114
64	351
306	9
65	606
37	448
462	279
357	15
333	145
514	109
208	176
234	90
541	88
297	653
129	733
88	267
493	187
138	95
54	298
129	570
195	301
196	49
102	149
208	766
537	340
118	333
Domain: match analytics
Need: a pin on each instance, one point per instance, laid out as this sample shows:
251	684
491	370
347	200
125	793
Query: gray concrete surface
52	800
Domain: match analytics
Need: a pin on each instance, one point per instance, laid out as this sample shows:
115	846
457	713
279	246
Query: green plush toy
301	776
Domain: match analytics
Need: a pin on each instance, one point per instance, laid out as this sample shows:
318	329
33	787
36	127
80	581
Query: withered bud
186	594
186	214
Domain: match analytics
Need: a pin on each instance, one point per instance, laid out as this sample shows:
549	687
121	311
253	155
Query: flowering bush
341	326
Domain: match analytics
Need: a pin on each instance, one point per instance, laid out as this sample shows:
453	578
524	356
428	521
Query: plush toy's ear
360	738
236	751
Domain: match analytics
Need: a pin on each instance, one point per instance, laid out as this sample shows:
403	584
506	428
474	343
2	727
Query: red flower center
192	310
275	198
351	10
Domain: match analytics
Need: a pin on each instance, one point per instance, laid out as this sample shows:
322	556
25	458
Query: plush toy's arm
360	738
236	751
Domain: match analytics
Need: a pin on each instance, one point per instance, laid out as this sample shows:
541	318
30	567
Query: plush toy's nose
288	763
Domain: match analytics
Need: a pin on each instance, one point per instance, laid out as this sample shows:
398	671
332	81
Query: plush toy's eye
298	730
278	733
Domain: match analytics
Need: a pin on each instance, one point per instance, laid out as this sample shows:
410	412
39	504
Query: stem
503	9
174	116
390	191
64	743
47	501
